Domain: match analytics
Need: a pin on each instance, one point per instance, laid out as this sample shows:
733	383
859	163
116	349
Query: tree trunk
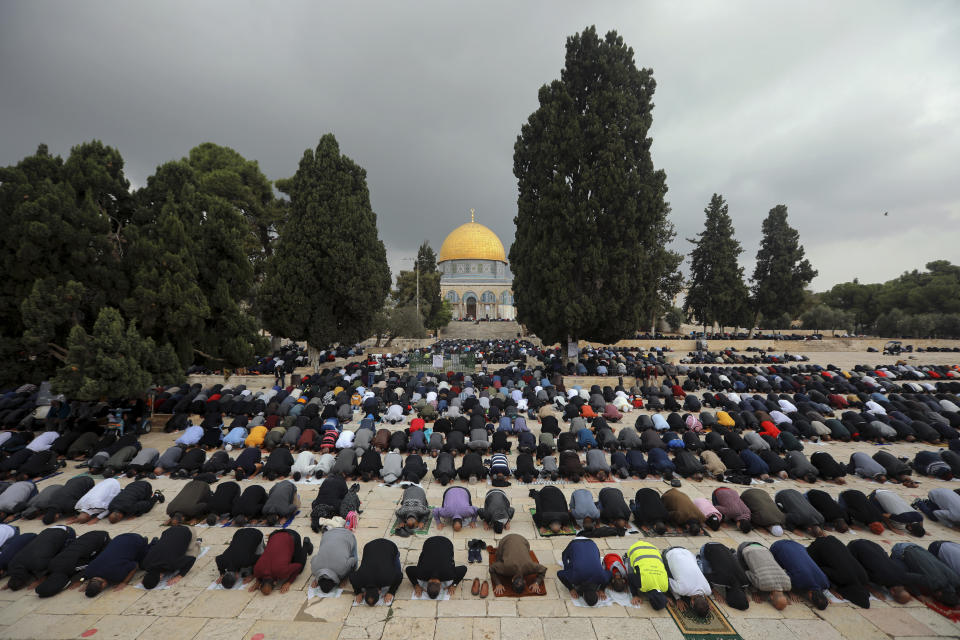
756	315
274	343
313	354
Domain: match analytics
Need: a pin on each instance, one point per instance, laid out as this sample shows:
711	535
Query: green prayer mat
714	626
420	532
568	530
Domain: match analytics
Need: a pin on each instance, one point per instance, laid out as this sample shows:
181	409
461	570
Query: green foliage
328	276
590	251
781	273
431	302
716	291
404	323
823	317
60	223
915	304
112	362
675	318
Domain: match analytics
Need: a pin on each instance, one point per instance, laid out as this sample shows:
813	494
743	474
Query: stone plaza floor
190	610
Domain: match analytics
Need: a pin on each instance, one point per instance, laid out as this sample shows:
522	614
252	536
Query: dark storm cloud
840	111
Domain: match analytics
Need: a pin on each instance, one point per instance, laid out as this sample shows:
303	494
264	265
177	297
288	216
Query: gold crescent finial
472	211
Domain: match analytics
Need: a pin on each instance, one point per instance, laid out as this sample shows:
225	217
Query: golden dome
472	241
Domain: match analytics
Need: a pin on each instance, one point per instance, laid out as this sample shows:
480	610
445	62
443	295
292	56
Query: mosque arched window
452	297
488	296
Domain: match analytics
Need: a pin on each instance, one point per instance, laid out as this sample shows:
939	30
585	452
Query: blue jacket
585	438
803	571
120	556
659	461
582	565
755	464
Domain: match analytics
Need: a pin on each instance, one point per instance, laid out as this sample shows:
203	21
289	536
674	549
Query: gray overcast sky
840	110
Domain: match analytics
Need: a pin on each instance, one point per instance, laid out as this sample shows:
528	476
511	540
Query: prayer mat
420	532
950	613
55	473
229	523
530	580
761	597
568	530
671	532
712	627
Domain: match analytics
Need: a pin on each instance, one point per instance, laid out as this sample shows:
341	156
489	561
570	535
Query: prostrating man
221	502
135	499
551	511
282	502
583	509
32	561
456	507
240	556
861	510
583	573
734	510
687	580
947	553
842	568
882	569
515	567
614	510
649	511
866	467
248	507
116	564
414	469
804	573
335	558
15	498
472	468
96	502
496	511
413	512
379	569
190	504
947	506
647	574
64	502
764	511
942	582
721	568
832	511
73	558
765	573
799	513
281	562
169	554
436	570
897	513
682	512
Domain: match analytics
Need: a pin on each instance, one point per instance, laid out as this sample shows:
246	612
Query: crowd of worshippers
56	559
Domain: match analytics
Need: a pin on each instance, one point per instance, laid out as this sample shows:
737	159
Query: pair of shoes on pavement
475	551
482	590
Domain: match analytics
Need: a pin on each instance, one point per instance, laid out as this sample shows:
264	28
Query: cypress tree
328	276
781	273
590	251
716	291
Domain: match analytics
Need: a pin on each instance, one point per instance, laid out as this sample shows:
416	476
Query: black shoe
159	496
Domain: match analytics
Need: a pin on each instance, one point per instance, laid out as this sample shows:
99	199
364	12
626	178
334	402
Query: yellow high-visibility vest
646	561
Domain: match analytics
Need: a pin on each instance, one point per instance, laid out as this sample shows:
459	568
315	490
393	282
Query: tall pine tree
592	230
716	291
328	276
781	273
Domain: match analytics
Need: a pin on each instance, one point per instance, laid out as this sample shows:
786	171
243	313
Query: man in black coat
435	570
63	503
882	569
135	499
649	510
842	568
32	562
169	554
379	569
238	559
552	511
67	564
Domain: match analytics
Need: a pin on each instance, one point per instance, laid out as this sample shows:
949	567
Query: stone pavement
189	610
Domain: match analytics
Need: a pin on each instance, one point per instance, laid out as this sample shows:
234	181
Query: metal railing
458	362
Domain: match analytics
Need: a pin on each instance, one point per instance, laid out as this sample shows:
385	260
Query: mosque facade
476	278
